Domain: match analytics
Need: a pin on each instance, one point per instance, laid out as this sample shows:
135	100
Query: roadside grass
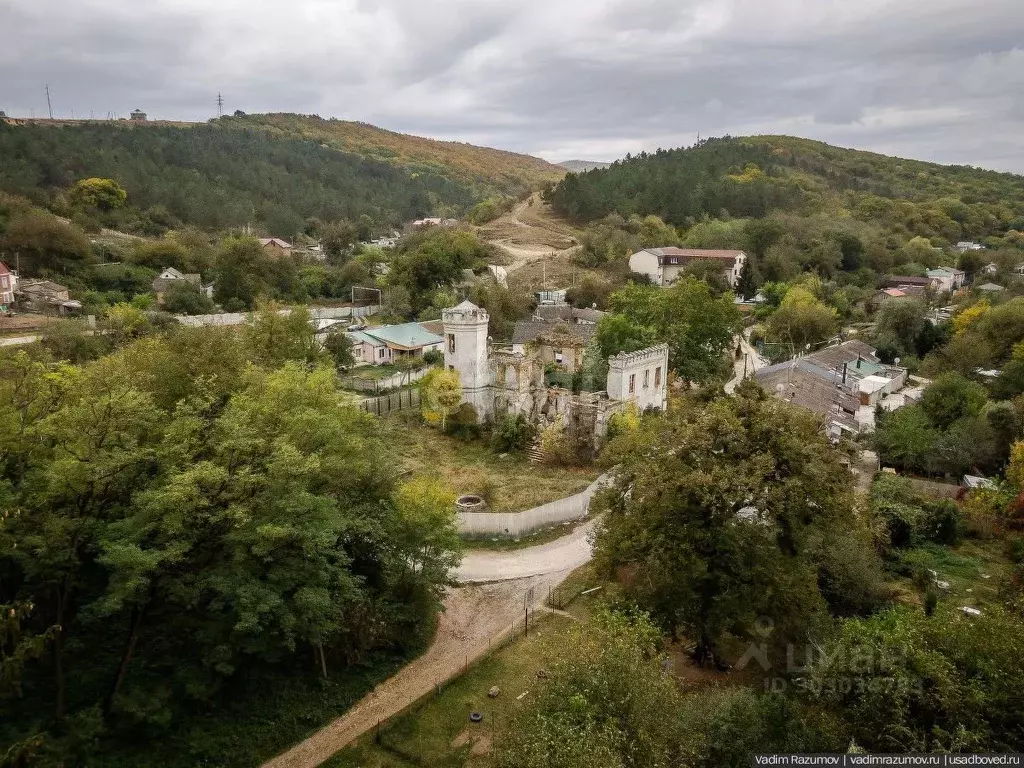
439	733
543	536
512	483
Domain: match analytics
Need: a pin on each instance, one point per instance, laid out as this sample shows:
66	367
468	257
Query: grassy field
512	482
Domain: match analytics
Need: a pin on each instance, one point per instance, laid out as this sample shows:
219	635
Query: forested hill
490	170
755	176
274	172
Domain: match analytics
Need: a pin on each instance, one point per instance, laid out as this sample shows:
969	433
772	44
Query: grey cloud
935	79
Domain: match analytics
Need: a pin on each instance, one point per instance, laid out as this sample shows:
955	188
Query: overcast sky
594	79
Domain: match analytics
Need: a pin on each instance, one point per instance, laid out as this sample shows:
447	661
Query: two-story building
664	265
8	284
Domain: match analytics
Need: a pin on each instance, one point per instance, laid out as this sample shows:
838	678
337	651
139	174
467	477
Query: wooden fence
396	401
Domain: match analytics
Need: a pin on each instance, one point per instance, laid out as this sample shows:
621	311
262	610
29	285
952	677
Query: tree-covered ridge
754	177
215	179
486	169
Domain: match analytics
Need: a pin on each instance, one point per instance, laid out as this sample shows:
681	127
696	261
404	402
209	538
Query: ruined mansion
501	382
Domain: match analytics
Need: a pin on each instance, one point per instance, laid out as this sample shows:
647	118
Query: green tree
906	438
337	239
240	273
697	325
184	298
341	349
950	398
801	320
426	529
719	513
275	335
607	704
44	242
899	324
928	684
105	194
441	395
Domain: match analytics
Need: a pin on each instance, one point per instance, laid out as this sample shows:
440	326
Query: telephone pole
220	105
48	105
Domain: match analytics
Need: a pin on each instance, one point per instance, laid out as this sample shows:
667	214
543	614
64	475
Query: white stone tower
465	351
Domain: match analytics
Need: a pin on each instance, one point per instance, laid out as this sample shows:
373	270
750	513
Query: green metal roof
407	335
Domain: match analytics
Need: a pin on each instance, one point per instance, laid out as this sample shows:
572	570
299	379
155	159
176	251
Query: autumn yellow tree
441	394
966	319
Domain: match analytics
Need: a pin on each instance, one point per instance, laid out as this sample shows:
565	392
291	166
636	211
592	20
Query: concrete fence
394	381
519	524
240	318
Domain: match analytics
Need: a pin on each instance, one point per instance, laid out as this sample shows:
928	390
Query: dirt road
524	241
475	617
749	362
565	554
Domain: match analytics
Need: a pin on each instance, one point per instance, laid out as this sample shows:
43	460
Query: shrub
463	423
514	434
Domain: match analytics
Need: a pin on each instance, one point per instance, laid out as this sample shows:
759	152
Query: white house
663	265
949	278
965	245
8	285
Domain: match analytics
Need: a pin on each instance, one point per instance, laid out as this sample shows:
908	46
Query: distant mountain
271	171
582	166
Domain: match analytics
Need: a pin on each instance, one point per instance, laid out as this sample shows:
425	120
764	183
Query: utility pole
220	105
48	105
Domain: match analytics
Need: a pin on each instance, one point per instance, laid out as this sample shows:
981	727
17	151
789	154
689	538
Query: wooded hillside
272	172
754	177
488	170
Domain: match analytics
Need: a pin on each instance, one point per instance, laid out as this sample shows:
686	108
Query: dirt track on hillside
529	233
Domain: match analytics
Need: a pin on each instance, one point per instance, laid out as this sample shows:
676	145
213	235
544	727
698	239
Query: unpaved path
750	362
499	586
518	247
566	553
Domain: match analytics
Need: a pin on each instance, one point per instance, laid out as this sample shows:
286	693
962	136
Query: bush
910	520
513	435
184	298
433	357
463	423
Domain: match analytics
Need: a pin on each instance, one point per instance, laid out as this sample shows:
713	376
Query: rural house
843	383
950	279
275	246
44	295
664	265
8	284
170	276
381	346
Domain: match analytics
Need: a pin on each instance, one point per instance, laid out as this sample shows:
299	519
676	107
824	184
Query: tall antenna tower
220	105
48	105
